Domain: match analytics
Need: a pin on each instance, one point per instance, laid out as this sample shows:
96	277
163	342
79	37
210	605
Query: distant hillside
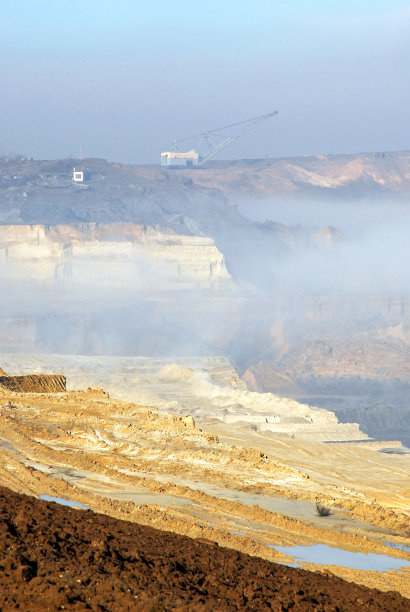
347	176
42	192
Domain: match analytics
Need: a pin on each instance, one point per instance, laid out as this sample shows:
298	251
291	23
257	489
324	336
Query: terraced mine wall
61	255
148	262
34	383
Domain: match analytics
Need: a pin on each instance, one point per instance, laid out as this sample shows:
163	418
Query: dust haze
314	291
313	250
369	252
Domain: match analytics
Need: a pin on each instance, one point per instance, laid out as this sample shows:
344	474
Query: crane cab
176	159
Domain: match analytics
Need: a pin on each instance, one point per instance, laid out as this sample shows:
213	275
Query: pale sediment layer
160	469
63	256
208	389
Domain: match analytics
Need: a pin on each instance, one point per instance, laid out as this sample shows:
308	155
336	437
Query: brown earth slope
55	558
34	383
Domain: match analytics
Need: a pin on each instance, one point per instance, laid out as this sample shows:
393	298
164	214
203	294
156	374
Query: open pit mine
166	360
238	483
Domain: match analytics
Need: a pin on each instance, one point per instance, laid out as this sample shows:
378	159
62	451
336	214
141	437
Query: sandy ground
245	492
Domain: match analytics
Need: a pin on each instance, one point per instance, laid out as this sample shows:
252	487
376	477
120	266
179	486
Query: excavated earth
246	491
56	558
34	383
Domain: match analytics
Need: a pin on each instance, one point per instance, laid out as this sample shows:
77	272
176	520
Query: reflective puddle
7	444
63	502
326	555
400	546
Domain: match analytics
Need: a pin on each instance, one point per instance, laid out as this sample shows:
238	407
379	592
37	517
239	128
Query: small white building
78	176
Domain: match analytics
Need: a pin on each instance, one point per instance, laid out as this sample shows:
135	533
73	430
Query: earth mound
34	383
54	557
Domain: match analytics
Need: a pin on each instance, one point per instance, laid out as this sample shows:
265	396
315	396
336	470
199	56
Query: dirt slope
57	558
34	383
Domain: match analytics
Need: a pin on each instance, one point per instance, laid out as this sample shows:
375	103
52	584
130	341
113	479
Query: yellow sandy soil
158	469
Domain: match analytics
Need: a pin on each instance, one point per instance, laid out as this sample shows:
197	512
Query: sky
123	79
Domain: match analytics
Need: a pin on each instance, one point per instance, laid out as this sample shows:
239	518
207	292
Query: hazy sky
123	78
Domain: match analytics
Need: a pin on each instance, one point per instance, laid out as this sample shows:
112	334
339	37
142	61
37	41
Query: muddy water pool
63	502
327	555
295	508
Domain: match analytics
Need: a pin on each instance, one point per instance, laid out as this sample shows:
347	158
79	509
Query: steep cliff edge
65	254
145	261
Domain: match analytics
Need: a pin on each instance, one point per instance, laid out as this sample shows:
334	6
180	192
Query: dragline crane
175	158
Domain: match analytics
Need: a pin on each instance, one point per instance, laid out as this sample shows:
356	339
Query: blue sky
124	78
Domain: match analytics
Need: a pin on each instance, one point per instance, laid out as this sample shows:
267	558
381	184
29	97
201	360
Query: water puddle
399	546
6	444
295	508
326	555
107	487
64	502
395	451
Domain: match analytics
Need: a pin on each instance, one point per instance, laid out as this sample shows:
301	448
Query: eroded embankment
59	558
34	383
208	389
159	469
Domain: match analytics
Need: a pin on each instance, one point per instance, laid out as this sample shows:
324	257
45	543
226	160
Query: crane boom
193	158
251	124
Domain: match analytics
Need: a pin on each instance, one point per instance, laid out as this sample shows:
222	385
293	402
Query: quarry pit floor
245	490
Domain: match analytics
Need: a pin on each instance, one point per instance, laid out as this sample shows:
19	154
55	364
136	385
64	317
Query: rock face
65	254
34	383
